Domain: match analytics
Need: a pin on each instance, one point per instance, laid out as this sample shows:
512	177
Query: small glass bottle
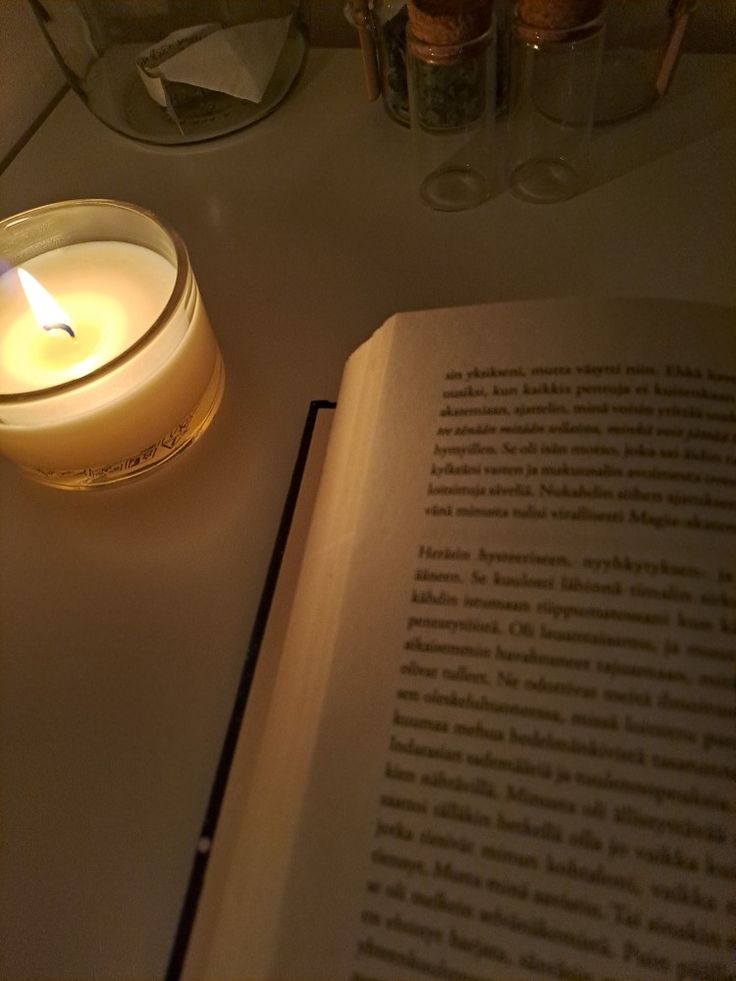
503	13
452	98
390	20
554	73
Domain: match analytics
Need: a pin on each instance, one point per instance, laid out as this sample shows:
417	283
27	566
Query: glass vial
554	74
452	101
390	19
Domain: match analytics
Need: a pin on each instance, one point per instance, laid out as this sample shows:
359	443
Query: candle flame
45	309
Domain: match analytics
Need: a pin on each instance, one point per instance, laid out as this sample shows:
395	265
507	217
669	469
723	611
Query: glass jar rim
431	51
178	289
531	33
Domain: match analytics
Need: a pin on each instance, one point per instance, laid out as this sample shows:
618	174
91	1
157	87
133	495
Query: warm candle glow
108	293
108	364
46	310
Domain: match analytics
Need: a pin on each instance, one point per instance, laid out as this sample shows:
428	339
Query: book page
524	763
248	868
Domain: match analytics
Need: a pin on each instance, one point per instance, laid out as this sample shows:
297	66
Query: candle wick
59	326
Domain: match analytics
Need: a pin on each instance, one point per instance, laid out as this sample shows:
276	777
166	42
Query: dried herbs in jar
449	43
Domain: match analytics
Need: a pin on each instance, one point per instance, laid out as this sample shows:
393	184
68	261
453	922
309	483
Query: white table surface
125	614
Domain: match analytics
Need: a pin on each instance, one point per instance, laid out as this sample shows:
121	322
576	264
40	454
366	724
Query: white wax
112	293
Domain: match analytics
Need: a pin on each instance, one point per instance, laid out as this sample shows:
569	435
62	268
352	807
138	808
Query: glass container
452	97
177	71
554	74
390	21
108	363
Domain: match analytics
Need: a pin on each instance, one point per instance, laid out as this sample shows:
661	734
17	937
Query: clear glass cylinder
390	20
554	74
127	373
452	100
177	71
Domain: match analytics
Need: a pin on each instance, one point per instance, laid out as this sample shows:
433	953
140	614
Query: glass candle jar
108	363
177	71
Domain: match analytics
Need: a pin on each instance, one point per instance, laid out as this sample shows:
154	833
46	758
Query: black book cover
222	772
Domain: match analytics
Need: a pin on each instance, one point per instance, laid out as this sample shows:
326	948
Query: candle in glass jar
108	294
108	364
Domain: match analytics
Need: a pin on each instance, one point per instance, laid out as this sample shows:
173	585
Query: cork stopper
558	15
449	22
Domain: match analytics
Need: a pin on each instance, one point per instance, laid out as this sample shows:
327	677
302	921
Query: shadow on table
701	102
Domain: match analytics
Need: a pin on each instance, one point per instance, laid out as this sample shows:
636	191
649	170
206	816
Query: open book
492	730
